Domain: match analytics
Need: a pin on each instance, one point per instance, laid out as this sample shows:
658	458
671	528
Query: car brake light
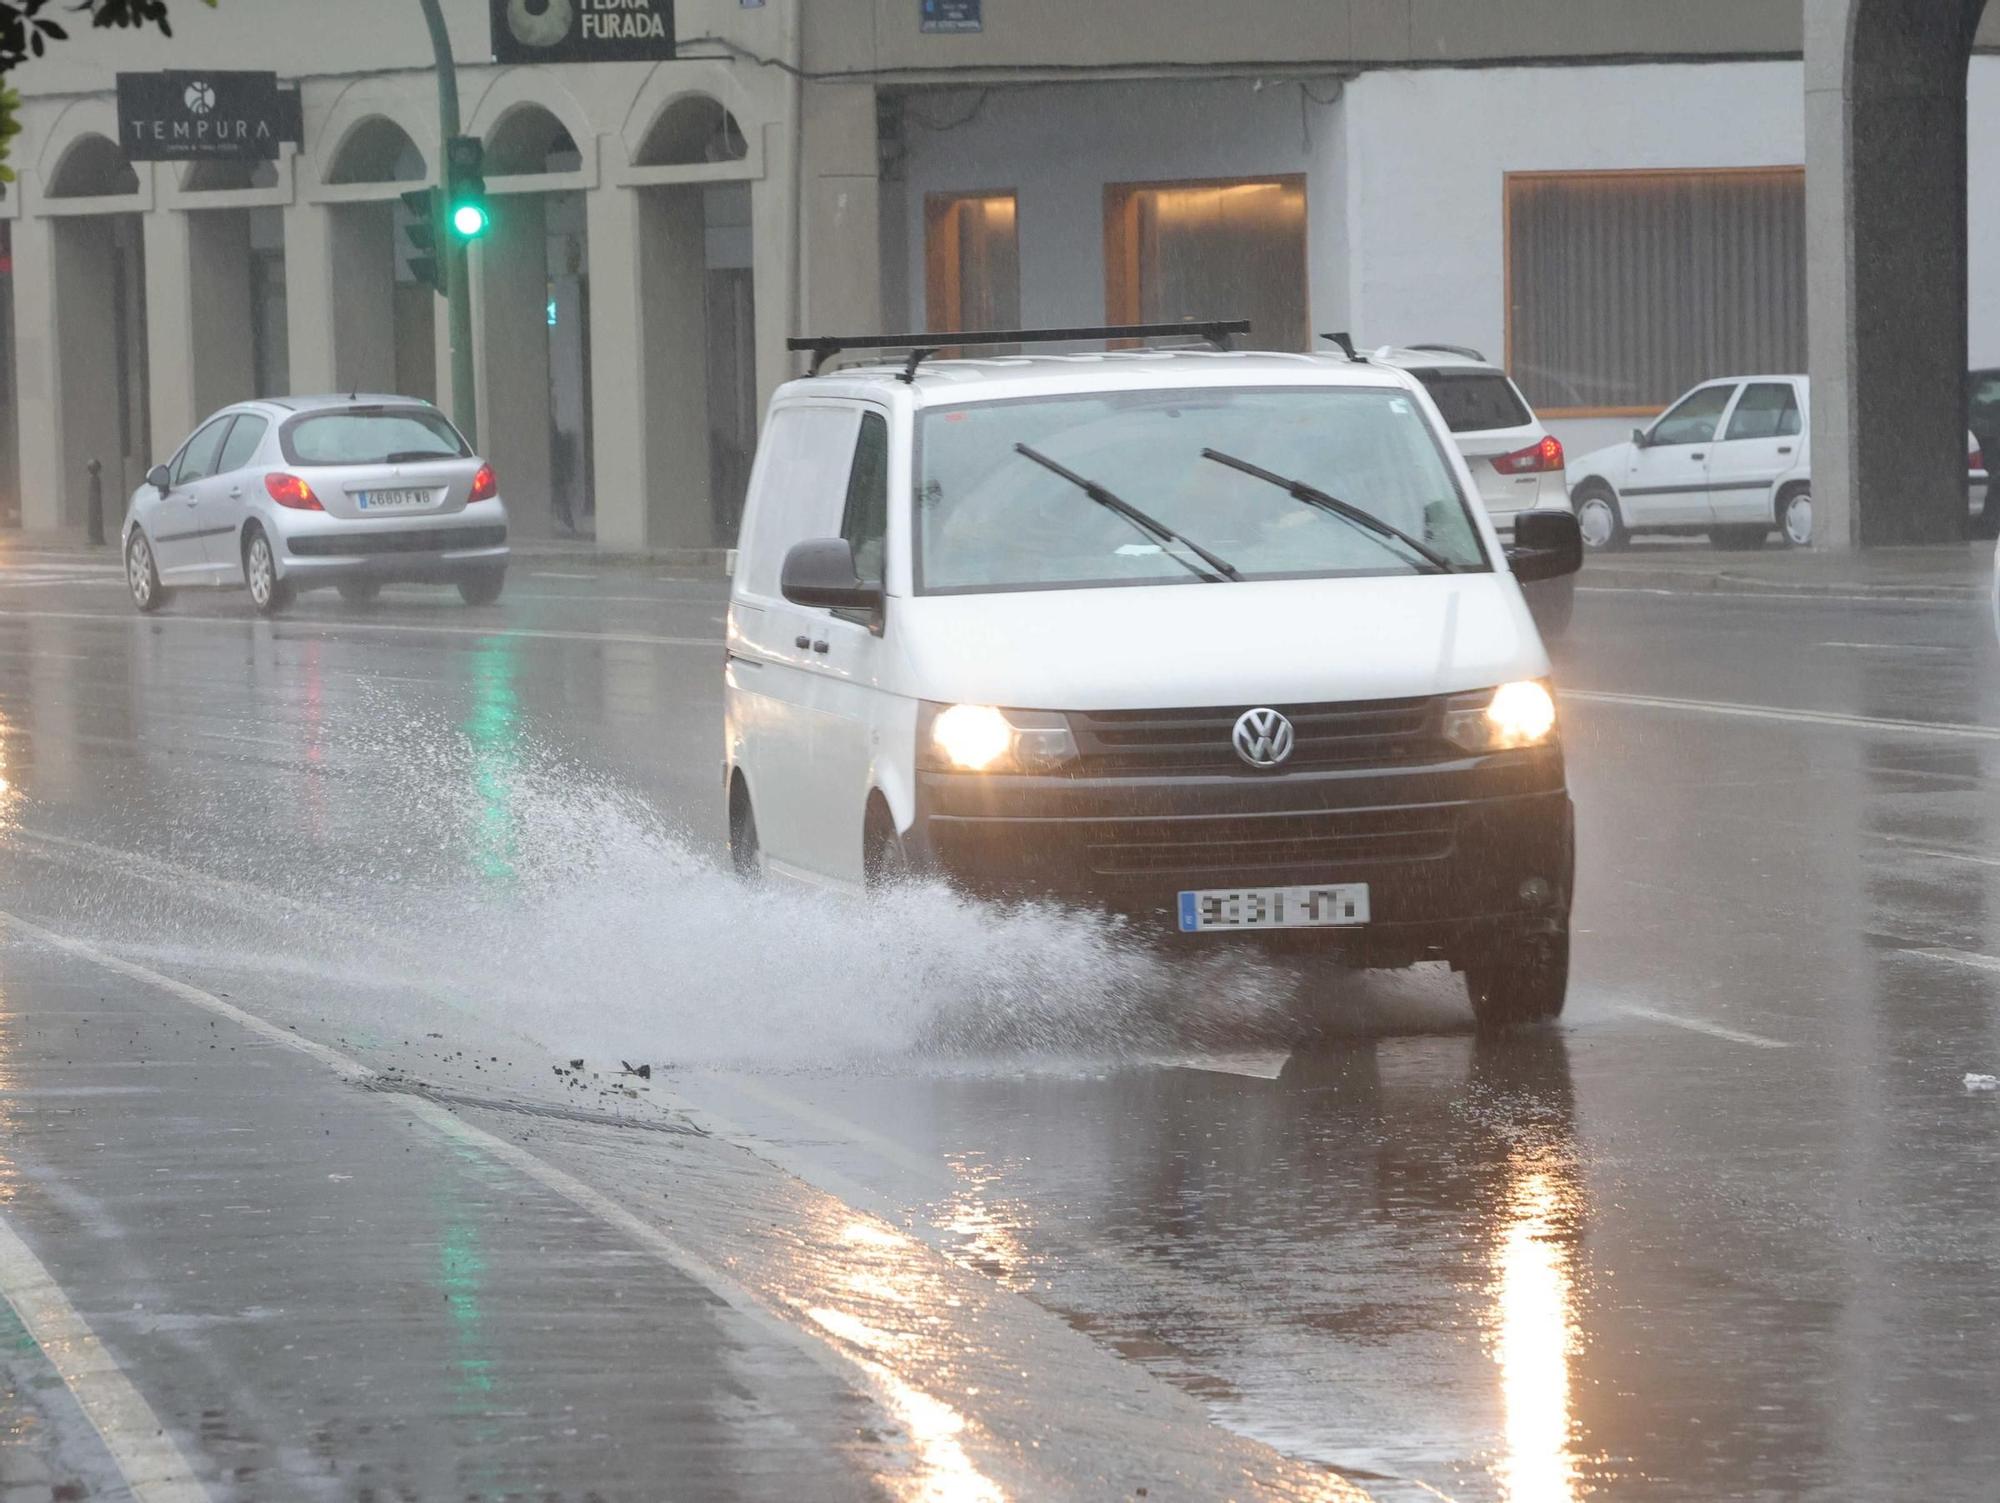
485	485
1543	458
1976	460
289	490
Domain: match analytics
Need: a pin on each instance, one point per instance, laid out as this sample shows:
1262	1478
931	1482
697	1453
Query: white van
1219	642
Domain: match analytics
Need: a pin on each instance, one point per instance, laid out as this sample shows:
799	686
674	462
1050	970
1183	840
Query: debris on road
1982	1082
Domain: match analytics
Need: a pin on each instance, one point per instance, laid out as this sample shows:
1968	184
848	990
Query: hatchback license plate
390	500
1332	906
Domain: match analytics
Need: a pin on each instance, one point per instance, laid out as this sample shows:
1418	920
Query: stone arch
356	132
92	166
526	119
694	130
376	150
1887	276
677	114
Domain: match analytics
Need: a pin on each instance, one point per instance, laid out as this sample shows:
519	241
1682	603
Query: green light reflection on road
494	731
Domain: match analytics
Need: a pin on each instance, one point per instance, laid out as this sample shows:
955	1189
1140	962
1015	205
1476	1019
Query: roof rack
1451	349
1346	343
1216	331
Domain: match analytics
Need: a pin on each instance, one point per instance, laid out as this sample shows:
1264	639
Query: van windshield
988	518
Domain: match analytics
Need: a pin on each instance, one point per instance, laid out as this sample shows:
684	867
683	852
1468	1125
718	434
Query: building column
617	356
511	296
841	227
310	312
170	324
37	372
673	341
1886	276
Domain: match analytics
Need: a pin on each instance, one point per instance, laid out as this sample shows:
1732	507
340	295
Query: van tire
746	851
1602	501
885	859
1525	983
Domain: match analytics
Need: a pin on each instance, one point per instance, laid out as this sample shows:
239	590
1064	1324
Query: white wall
1404	172
1058	145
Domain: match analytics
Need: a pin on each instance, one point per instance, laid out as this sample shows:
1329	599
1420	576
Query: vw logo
1263	737
200	98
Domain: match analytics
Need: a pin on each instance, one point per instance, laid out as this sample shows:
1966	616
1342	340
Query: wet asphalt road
302	1194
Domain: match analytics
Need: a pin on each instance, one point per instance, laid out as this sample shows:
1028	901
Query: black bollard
96	516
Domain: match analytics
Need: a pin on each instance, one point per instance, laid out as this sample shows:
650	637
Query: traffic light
427	262
465	187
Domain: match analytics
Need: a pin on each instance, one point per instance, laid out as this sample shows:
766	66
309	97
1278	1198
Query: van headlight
1514	715
980	738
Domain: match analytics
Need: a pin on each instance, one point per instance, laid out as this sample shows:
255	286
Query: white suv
1218	642
1517	463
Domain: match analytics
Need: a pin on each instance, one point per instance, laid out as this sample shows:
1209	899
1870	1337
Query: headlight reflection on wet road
886	1270
1535	1332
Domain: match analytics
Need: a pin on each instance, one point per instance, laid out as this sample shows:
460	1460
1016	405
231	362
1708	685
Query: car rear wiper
1314	496
1152	526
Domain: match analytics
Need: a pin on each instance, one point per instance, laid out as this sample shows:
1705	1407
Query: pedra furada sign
583	31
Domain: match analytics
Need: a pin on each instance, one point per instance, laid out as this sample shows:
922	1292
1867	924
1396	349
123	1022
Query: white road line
1759	597
334	628
1252	1066
1947	730
1970	959
1713	1030
1891	647
1923	850
558	574
145	1455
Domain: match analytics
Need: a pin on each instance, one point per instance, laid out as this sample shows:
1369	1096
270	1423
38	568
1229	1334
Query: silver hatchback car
290	493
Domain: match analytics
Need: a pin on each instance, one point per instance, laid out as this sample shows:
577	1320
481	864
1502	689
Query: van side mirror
159	479
1639	439
1547	545
821	573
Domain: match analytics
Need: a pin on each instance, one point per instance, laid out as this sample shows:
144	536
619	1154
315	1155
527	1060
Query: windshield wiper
1314	496
1152	526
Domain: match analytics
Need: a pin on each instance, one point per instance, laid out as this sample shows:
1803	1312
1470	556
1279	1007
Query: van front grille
1355	733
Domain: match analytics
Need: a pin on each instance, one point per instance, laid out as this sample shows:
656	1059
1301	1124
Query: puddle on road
467	865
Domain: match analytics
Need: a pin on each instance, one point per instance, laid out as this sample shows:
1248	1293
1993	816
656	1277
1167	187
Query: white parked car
1218	642
1732	459
1517	463
293	493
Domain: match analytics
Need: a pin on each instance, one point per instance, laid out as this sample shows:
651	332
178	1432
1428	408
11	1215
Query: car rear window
1473	400
371	435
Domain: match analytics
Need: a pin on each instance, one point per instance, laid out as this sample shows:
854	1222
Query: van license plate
1335	906
391	500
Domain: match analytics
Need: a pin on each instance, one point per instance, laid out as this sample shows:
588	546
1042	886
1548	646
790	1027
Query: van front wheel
1527	981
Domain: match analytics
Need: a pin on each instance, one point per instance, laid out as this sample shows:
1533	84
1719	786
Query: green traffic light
469	221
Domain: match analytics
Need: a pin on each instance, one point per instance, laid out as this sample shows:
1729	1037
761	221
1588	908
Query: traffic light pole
453	252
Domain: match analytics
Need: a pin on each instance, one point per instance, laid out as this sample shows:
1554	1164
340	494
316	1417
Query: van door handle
1784	448
1697	456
